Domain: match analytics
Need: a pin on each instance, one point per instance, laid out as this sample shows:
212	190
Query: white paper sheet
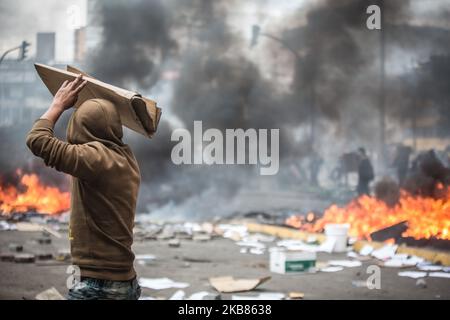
345	263
439	275
429	267
412	274
198	295
332	269
366	250
386	252
161	283
178	295
145	257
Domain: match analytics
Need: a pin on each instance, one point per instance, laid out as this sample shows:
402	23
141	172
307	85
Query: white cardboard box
285	261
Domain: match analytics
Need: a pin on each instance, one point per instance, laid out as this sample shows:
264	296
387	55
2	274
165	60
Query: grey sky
22	19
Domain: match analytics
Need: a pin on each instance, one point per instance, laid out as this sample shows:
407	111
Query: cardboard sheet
136	112
229	284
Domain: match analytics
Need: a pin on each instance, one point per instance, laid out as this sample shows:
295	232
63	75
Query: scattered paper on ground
439	274
366	250
345	263
331	269
413	274
34	227
402	260
429	267
385	252
297	245
145	257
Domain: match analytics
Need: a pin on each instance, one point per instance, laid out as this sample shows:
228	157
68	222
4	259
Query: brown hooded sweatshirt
105	186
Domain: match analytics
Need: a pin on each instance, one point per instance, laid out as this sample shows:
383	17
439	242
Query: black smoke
334	92
335	88
135	40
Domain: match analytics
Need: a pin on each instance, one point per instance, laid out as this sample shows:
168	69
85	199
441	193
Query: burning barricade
426	217
31	195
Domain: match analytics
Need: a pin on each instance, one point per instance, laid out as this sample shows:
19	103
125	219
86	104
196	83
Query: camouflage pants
97	289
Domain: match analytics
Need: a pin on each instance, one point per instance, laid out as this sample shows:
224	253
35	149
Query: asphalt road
194	262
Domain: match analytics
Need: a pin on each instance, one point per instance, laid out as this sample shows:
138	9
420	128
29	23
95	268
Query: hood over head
95	120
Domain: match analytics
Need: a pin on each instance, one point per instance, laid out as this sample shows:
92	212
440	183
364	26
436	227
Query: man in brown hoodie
105	183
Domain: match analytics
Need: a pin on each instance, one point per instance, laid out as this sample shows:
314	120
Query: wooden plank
284	232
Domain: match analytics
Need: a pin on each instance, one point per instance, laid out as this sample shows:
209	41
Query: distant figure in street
401	162
365	173
427	175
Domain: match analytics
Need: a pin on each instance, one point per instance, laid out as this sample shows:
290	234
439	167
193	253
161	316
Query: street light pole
256	33
295	53
23	54
382	87
23	49
8	51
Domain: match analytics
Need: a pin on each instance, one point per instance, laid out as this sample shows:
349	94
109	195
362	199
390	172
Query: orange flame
36	197
426	217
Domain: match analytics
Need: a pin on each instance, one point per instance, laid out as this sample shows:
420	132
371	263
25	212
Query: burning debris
426	217
328	87
313	256
30	195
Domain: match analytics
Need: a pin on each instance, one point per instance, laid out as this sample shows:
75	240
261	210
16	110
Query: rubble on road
5	226
174	243
258	243
421	283
14	247
24	258
44	256
32	222
201	237
44	241
278	254
63	255
196	260
7	257
296	295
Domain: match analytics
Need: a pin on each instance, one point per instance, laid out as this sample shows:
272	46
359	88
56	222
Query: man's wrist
53	114
57	107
